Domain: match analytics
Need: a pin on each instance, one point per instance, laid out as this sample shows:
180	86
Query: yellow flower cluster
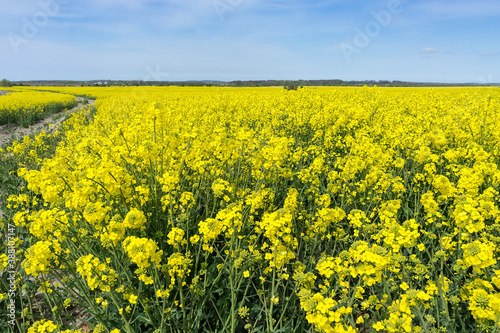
142	251
97	274
40	257
32	151
43	326
48	326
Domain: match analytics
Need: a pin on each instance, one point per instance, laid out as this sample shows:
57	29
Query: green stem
496	324
117	304
271	305
183	306
420	315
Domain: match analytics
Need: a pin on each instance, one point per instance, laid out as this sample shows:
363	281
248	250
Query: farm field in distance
28	107
197	209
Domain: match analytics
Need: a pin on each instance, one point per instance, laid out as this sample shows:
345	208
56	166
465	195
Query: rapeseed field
264	210
29	106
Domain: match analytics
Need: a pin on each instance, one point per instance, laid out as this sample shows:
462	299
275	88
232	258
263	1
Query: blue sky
409	40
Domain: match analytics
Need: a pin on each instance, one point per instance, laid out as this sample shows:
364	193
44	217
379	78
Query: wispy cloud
429	50
489	54
446	9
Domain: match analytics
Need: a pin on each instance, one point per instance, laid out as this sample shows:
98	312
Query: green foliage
5	83
291	87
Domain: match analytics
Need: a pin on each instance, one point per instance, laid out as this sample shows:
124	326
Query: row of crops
28	106
265	210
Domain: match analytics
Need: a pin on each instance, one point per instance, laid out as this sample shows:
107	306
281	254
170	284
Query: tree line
287	84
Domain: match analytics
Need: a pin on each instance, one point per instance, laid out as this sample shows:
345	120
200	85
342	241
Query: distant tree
291	87
5	83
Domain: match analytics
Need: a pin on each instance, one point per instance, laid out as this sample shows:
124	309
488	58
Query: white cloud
130	4
429	50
